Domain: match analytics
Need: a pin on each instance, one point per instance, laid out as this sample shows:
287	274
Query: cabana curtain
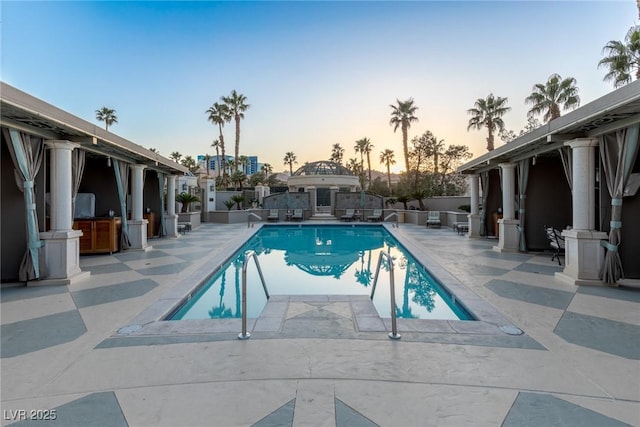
618	152
566	154
77	170
122	181
523	178
26	153
163	228
484	181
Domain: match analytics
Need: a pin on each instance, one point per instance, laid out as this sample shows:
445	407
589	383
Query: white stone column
61	242
137	224
333	190
209	187
583	254
474	216
312	197
509	236
171	219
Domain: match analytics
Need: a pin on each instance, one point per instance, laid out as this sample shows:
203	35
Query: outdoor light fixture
212	187
534	160
109	161
184	187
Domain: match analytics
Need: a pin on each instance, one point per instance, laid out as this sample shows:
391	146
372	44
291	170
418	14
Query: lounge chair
273	215
556	242
297	215
349	215
433	219
375	216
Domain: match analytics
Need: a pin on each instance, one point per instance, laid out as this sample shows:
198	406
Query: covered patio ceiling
613	111
26	113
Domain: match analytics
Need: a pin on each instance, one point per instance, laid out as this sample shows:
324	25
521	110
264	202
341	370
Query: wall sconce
212	187
534	160
109	161
184	187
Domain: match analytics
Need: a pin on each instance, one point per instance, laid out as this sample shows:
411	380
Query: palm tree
550	96
266	169
219	114
175	156
623	58
237	105
108	116
216	144
290	159
488	113
402	115
436	148
354	165
387	157
337	153
367	146
244	161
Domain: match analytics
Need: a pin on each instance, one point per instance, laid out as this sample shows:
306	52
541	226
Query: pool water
323	260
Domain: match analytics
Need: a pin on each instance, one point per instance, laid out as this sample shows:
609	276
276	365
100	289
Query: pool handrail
247	255
249	218
392	214
394	335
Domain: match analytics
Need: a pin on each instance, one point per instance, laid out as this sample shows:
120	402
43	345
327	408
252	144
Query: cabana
580	173
76	189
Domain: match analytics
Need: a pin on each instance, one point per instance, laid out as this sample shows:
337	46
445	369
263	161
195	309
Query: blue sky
315	73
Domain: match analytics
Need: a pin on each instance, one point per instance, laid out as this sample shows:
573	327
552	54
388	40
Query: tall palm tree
107	115
549	97
207	158
488	113
216	144
354	165
387	157
266	169
337	153
623	58
290	159
367	146
219	114
244	161
237	105
436	148
402	115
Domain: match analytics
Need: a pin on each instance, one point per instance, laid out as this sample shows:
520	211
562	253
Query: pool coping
151	321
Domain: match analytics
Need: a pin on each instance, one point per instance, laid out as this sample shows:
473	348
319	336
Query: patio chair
297	215
433	219
349	215
376	215
556	242
273	215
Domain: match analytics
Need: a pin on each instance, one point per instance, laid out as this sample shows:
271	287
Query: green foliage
378	186
622	58
466	208
547	98
229	204
237	200
186	199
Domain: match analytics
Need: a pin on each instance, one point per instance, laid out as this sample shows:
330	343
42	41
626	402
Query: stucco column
137	225
333	190
474	216
171	219
61	242
508	225
583	254
313	193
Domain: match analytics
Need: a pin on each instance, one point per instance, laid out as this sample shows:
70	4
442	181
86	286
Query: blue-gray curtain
484	181
523	178
26	153
77	170
122	181
163	227
618	152
566	154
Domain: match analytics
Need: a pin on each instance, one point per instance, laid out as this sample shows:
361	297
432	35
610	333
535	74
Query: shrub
186	199
466	208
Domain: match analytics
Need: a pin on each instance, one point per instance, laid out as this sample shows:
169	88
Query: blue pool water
322	260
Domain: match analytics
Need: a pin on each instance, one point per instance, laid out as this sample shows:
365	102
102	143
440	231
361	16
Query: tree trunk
405	147
237	140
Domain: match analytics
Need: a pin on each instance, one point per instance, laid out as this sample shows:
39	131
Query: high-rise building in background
252	166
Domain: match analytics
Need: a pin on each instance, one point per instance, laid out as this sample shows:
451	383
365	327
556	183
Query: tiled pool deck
321	361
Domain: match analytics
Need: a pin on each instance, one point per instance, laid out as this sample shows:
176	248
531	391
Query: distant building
252	166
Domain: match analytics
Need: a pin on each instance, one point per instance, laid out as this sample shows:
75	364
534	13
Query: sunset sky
315	73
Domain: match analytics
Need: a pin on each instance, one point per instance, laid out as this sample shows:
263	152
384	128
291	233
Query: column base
138	235
509	240
171	223
62	258
474	226
583	257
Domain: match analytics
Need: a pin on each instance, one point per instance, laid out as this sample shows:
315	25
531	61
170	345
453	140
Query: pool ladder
248	255
390	215
252	215
394	335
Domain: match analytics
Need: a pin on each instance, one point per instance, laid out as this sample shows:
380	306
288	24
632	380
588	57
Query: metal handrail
249	218
394	335
247	255
393	214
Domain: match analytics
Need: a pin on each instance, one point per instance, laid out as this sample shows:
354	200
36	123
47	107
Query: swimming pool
322	260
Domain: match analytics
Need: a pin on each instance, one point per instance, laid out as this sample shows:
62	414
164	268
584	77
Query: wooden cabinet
152	226
99	235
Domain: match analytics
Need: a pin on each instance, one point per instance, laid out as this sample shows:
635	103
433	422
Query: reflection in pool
323	260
